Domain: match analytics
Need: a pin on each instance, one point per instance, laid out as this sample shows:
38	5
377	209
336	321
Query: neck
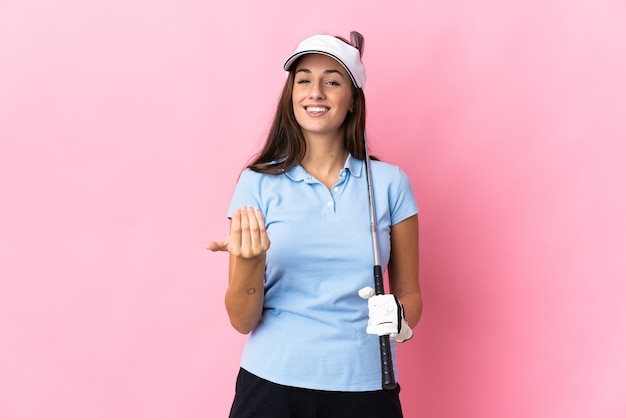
324	160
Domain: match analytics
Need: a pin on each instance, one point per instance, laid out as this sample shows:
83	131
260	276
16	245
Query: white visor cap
347	55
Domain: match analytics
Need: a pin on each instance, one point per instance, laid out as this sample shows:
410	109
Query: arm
404	268
244	296
247	244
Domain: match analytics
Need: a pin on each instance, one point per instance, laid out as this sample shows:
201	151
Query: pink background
124	125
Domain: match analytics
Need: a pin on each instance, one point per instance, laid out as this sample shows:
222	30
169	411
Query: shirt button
330	203
336	189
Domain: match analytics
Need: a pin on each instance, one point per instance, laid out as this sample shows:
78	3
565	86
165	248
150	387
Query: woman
313	349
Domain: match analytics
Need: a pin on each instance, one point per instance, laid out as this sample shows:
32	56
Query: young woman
301	255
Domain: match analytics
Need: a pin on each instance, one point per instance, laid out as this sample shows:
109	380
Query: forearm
412	303
404	268
244	296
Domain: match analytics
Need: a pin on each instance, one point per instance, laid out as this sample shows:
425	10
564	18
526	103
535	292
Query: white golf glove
386	316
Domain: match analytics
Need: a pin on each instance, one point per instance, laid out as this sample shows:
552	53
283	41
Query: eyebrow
330	71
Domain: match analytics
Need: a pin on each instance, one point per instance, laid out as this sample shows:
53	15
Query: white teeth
316	109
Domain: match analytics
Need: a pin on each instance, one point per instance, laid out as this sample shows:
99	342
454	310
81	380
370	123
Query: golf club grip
386	361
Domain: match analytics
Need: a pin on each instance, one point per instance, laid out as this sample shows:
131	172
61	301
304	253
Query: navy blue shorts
259	398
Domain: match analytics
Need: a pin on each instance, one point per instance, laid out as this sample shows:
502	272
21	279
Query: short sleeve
247	191
401	199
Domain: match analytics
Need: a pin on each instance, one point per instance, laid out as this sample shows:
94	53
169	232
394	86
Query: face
322	95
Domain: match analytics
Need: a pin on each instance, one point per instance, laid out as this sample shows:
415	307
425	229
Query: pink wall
123	128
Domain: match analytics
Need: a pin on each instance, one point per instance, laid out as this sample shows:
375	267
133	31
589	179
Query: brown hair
285	146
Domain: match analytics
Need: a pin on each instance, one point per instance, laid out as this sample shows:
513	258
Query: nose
317	91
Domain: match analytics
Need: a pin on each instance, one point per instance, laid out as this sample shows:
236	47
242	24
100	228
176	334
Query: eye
302	81
333	83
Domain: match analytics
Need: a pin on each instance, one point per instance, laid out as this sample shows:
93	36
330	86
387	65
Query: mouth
316	110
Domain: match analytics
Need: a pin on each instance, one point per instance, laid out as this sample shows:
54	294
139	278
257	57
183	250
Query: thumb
367	292
218	245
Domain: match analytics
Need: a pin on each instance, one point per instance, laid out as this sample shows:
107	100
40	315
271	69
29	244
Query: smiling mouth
316	109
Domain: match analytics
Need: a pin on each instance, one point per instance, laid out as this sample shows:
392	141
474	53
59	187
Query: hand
248	236
386	316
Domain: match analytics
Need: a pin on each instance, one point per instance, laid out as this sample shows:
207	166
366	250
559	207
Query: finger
366	292
218	245
253	230
257	230
258	235
245	232
264	238
234	245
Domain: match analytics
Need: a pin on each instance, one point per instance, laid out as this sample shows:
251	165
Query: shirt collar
352	165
